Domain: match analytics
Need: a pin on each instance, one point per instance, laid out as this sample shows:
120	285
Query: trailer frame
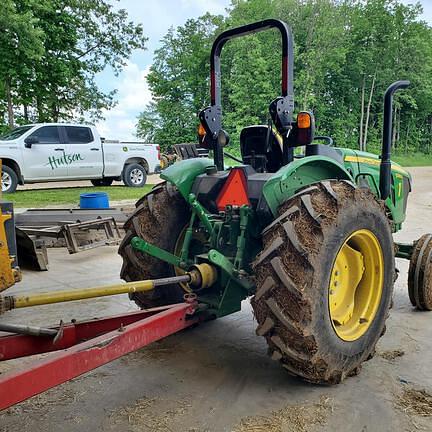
80	347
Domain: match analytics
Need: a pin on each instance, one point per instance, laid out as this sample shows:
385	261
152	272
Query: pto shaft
200	276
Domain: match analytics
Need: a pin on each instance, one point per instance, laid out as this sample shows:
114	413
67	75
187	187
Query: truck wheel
9	179
134	175
159	218
102	182
325	281
420	274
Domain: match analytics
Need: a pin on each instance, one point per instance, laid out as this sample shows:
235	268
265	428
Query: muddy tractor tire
159	219
420	274
324	281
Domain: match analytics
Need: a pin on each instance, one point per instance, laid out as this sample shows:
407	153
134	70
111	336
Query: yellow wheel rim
356	285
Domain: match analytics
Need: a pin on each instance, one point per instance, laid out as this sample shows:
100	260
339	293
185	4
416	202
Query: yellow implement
8	274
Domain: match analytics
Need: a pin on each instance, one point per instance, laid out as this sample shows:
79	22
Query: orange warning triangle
234	191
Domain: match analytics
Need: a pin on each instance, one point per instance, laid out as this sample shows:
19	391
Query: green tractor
307	237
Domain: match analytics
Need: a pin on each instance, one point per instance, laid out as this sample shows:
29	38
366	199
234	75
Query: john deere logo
125	149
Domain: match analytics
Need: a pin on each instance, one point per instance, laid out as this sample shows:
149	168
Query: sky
157	16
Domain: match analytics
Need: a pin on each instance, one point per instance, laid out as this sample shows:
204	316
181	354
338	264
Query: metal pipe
385	166
27	330
27	300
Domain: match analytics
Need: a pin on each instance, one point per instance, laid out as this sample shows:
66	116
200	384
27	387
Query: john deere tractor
307	236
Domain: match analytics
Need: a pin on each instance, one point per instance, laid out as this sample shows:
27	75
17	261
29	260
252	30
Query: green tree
62	45
178	80
21	44
346	54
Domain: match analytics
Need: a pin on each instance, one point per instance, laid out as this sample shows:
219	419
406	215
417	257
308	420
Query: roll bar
211	117
287	55
385	166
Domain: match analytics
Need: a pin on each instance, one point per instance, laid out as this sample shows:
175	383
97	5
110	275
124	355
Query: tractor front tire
420	274
325	281
159	218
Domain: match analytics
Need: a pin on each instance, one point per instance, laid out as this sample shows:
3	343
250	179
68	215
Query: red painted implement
83	346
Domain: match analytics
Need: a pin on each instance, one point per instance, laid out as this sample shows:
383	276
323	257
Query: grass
70	196
413	160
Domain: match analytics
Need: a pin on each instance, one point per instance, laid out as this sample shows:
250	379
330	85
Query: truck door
85	152
44	154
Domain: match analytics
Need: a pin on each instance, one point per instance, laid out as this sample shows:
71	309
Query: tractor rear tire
294	299
159	218
420	274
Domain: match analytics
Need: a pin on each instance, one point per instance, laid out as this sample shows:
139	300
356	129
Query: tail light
158	150
234	191
305	129
201	132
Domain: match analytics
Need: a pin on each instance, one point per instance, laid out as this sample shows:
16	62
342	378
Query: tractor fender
182	174
299	174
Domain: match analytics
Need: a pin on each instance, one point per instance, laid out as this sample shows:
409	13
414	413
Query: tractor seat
324	150
260	148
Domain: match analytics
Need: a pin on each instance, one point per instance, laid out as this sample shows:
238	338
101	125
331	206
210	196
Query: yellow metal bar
199	275
27	300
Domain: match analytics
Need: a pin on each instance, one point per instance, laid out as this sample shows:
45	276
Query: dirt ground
216	377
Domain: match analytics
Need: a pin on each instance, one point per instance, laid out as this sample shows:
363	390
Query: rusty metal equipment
72	233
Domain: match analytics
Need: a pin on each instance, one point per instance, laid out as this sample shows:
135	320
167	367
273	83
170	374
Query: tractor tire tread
284	303
159	215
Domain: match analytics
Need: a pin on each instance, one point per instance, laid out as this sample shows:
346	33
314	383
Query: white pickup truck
60	152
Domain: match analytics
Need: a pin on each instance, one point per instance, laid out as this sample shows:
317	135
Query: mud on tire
293	273
420	274
159	218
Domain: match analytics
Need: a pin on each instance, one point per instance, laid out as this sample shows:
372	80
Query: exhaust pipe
385	166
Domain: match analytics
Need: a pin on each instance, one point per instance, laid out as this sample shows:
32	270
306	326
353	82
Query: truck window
47	135
79	135
15	133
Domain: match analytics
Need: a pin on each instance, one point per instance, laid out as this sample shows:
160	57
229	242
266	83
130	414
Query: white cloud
132	96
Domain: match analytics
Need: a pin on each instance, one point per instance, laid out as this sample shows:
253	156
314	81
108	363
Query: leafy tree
346	54
178	80
21	44
62	45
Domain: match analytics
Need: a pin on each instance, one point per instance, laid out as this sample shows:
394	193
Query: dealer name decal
66	159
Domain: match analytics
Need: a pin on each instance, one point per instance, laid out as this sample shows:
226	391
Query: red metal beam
121	335
15	346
